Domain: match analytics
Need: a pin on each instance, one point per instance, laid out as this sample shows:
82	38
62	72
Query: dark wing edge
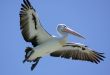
30	25
78	52
25	16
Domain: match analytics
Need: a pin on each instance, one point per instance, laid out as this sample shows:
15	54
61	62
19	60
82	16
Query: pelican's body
47	47
46	44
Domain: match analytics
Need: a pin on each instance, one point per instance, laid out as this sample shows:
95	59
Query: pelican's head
64	30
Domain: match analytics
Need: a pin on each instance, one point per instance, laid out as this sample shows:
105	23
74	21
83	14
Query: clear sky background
91	18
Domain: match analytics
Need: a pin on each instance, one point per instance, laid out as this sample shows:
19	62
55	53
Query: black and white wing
78	52
30	25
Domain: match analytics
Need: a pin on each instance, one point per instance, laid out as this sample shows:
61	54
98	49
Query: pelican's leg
36	62
28	51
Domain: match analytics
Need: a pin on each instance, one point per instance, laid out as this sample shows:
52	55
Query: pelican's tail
29	51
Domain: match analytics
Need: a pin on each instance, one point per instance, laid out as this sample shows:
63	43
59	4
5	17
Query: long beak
68	30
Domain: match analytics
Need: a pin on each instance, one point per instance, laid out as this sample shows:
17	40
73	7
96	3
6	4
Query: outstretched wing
30	25
78	52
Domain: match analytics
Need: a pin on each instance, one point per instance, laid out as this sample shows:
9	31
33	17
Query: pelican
45	44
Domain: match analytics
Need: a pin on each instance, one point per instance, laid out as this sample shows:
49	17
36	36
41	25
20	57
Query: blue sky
91	18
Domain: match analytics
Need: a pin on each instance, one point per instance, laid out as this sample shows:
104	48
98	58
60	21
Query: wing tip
26	5
98	57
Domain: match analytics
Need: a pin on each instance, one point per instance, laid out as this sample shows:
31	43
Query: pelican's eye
64	26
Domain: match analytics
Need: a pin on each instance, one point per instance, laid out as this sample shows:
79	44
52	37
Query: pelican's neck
63	38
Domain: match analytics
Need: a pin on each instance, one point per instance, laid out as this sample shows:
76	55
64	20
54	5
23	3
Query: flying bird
44	43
